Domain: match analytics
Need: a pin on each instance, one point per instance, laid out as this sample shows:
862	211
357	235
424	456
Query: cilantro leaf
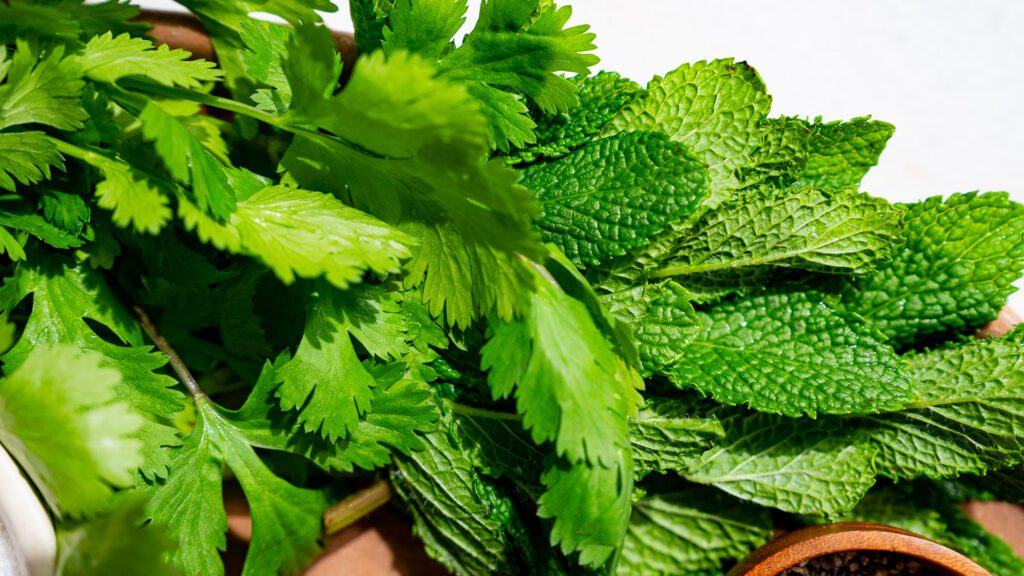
101	545
286	519
61	419
667	436
601	97
715	108
953	274
611	195
796	465
108	58
26	158
17	215
747	349
425	26
299	233
132	197
188	161
840	153
968	416
63	297
590	505
41	88
570	386
691	529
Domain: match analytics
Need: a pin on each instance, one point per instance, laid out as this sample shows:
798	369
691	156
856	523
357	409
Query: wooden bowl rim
795	547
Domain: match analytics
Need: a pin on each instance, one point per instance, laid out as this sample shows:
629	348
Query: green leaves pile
581	325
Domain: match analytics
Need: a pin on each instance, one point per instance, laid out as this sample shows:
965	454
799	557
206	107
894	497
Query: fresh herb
579	325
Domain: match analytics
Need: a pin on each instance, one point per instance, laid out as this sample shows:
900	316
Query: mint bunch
580	325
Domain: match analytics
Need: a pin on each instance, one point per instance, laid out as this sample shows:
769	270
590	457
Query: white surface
947	73
29	523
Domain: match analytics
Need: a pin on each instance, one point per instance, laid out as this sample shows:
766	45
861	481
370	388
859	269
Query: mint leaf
691	529
747	351
736	246
601	97
952	275
108	58
796	465
61	419
967	418
43	87
667	435
840	153
780	157
662	320
610	196
26	158
715	109
570	386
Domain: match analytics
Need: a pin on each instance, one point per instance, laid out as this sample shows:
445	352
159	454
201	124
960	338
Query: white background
948	73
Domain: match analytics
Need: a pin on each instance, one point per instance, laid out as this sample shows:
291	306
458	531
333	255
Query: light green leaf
107	58
132	198
570	386
590	505
796	465
298	233
841	153
952	275
780	157
425	26
43	87
739	245
715	108
667	435
61	419
792	354
26	158
969	415
612	195
691	529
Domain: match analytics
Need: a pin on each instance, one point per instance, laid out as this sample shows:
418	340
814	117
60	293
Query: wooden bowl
795	547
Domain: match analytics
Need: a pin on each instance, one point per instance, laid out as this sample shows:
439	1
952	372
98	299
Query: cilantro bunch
580	325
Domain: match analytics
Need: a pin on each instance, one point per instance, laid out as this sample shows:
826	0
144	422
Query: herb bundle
580	325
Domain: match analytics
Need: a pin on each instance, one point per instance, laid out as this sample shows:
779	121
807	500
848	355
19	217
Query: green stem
481	413
351	509
164	346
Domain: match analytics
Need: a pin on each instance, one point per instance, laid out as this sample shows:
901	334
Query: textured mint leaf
968	417
61	419
108	58
891	506
590	505
425	27
601	97
610	196
520	47
952	275
662	320
299	233
26	158
465	519
792	354
802	466
499	445
691	529
43	87
63	297
741	243
187	161
716	109
667	435
101	545
570	386
841	153
780	157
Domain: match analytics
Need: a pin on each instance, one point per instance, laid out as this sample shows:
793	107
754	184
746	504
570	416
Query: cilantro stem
351	509
164	346
481	413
